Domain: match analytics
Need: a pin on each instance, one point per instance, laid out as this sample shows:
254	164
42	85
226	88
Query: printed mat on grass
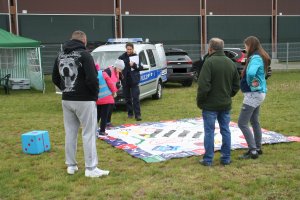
160	141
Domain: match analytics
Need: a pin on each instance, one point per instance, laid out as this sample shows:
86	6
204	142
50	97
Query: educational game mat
160	141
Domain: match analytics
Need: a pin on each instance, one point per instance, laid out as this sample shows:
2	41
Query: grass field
275	175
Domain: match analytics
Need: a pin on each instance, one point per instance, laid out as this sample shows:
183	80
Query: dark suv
237	55
179	67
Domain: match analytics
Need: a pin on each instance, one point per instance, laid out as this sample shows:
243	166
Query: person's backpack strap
108	71
269	72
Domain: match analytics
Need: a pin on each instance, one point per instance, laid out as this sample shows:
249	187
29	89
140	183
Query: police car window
143	59
106	58
151	58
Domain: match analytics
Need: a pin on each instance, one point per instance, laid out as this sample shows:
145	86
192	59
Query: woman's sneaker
259	151
102	134
72	169
96	173
109	125
99	133
249	154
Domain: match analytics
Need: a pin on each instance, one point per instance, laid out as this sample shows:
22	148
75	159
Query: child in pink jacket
107	92
115	73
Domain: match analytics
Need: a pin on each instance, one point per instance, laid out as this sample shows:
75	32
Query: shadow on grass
173	85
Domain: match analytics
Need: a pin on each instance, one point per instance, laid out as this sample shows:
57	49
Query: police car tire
158	93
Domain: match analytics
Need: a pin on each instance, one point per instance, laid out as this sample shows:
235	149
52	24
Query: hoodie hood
73	45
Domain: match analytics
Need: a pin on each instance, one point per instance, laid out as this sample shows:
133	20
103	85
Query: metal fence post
287	56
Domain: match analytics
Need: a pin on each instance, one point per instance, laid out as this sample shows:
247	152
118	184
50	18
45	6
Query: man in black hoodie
74	73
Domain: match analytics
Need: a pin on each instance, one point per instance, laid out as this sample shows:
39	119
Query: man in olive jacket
217	83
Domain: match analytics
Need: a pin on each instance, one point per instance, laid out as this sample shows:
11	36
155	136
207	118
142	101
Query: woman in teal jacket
254	87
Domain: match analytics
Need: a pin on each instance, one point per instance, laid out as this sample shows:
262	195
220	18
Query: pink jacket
112	86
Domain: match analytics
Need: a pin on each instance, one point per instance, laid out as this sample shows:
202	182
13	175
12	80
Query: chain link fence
49	52
287	56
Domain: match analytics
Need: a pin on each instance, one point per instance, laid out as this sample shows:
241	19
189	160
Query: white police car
151	56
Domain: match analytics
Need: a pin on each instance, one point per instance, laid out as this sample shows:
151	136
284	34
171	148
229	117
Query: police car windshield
106	58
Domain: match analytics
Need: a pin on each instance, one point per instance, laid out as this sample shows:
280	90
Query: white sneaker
103	172
72	169
96	172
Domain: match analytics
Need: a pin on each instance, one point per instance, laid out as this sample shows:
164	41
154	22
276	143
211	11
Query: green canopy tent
20	57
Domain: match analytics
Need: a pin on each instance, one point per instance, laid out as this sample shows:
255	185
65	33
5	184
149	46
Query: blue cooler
35	142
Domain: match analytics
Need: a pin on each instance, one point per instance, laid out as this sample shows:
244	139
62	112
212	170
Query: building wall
4	15
288	21
67	6
233	30
288	29
166	29
58	28
288	7
168	21
239	7
4	21
51	23
4	6
161	7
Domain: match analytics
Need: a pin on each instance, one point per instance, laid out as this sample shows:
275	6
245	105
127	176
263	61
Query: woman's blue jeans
209	119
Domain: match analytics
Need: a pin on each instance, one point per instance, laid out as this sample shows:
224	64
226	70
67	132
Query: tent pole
41	70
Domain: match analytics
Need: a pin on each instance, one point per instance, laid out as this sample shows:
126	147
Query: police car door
162	60
148	77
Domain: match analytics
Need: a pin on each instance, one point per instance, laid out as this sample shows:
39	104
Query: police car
151	57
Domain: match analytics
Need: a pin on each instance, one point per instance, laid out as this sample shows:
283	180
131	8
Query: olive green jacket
217	83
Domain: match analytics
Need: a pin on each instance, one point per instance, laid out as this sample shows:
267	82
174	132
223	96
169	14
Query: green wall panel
234	29
4	22
288	29
58	28
166	29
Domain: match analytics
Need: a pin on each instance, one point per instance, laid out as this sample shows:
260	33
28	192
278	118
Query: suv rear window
178	58
230	54
170	52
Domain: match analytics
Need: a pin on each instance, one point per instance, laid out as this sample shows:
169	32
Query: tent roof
10	40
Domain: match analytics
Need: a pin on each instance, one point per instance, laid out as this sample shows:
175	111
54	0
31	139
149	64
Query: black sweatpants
102	113
132	94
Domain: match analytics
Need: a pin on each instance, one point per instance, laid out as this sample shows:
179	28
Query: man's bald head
79	35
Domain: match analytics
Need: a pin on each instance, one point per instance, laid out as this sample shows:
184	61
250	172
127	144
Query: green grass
275	175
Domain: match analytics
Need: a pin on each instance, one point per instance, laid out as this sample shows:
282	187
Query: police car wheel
158	93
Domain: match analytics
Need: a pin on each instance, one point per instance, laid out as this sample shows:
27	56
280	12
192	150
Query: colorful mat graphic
160	141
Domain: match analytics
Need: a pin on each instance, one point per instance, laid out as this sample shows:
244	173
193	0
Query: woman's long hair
254	46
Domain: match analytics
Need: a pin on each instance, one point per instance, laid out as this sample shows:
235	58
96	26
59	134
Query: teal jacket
256	71
217	83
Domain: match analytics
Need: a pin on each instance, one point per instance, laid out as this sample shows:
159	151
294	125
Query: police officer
130	83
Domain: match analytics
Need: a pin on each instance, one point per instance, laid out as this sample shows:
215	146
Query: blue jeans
209	119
